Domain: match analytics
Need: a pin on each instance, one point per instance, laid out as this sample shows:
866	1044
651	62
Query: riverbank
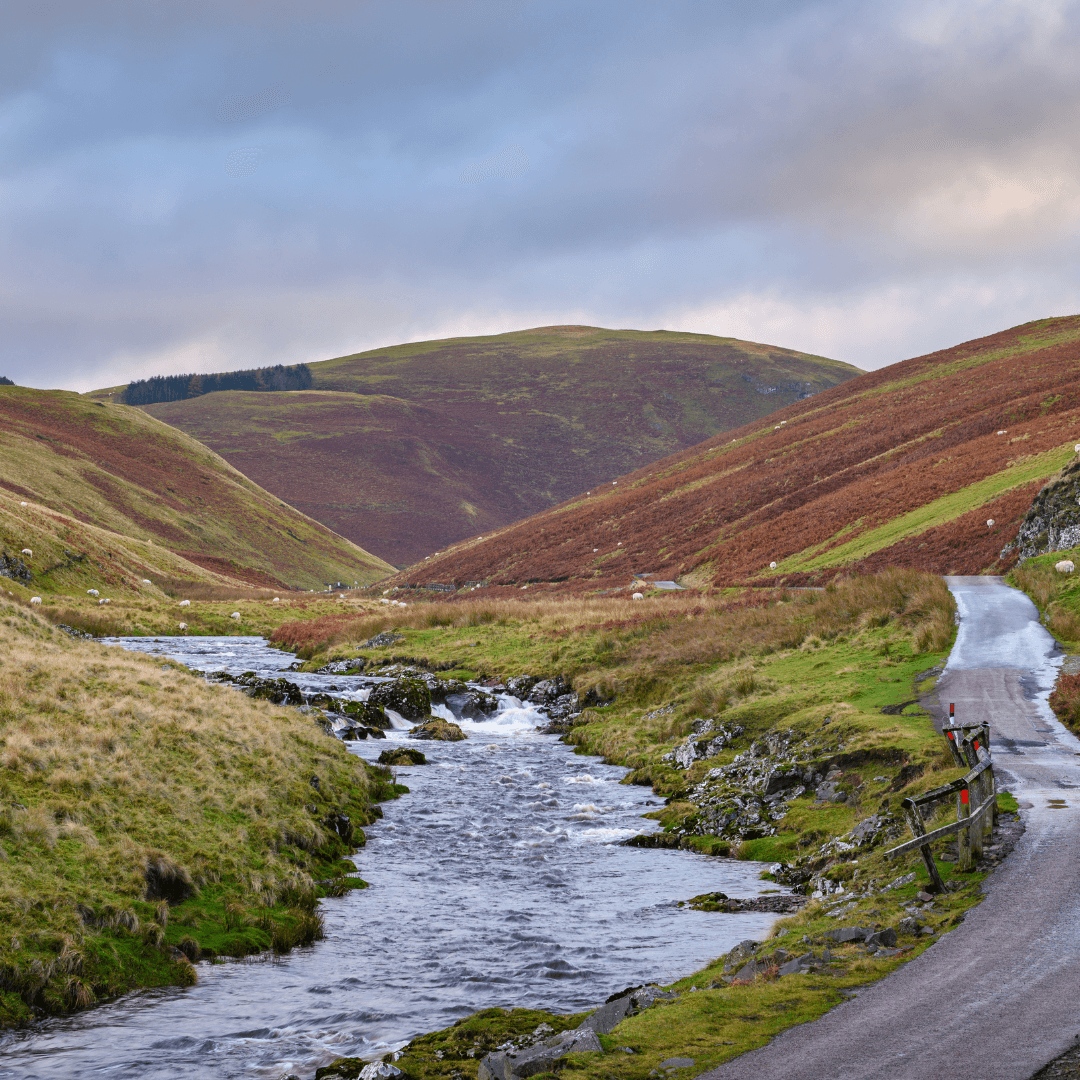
785	727
148	819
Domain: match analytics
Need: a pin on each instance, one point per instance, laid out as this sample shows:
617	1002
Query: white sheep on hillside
27	552
22	504
1066	566
276	600
183	626
235	615
185	603
104	600
147	581
638	596
989	523
36	601
384	601
772	566
92	592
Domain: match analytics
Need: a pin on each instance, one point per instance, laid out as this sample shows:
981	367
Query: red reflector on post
976	744
951	736
952	709
964	796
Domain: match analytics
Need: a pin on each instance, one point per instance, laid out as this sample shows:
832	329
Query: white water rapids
499	880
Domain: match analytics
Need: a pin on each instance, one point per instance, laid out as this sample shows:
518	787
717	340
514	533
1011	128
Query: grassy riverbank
147	818
826	682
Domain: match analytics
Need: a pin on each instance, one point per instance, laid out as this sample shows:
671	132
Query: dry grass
185	589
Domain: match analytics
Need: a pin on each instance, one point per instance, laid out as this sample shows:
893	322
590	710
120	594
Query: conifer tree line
5	381
181	387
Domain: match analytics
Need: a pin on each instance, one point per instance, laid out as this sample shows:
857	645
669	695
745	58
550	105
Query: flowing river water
499	880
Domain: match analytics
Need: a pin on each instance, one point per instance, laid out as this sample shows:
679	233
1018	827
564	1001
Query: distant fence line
180	387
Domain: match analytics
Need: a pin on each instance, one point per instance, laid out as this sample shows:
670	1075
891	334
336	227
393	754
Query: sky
190	186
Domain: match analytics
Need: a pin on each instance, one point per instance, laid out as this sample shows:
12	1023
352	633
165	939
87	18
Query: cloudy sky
189	186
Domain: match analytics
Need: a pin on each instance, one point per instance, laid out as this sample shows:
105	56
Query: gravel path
998	997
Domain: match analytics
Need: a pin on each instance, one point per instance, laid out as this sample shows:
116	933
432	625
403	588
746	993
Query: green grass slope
112	495
930	463
408	449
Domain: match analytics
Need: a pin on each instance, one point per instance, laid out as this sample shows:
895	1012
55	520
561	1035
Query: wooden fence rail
976	802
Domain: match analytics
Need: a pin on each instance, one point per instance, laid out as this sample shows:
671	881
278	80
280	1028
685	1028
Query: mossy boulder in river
436	728
402	755
406	695
367	714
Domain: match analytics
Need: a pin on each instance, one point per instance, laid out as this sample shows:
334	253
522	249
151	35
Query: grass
938	512
817	668
142	809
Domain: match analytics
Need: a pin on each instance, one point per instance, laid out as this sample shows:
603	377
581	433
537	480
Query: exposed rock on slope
1053	522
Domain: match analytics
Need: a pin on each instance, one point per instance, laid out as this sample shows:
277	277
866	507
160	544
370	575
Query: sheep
104	600
989	523
1005	432
235	615
183	626
276	600
36	601
382	601
1066	566
27	552
185	603
147	581
772	565
638	596
92	592
22	504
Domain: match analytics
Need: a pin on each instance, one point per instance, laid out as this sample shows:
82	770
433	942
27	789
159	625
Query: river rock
406	695
402	755
276	691
340	826
472	703
367	713
520	685
539	1058
349	1068
438	729
547	691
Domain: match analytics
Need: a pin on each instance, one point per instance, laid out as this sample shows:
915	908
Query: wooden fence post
963	837
915	823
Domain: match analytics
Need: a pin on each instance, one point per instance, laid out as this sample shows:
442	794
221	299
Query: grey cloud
411	168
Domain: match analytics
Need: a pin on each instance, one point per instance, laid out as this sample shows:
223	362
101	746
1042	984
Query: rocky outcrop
1053	522
775	904
14	569
706	739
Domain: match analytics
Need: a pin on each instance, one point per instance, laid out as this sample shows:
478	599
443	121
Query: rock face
366	714
706	740
1053	522
439	730
407	695
471	703
14	569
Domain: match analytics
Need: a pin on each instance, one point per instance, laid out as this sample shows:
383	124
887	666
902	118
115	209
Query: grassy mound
148	819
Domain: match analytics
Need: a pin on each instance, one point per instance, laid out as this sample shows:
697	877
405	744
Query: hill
929	463
407	449
107	493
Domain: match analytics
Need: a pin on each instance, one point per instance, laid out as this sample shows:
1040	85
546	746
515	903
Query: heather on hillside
931	463
407	449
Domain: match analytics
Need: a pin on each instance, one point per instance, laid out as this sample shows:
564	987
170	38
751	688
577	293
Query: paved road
999	996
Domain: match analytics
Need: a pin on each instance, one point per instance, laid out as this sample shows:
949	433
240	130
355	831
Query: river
498	880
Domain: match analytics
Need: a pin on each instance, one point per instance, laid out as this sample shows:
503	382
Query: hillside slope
137	498
407	449
905	466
